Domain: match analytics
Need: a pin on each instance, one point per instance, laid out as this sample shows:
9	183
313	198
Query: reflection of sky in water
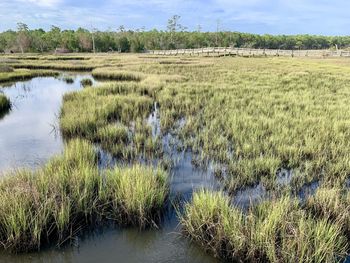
27	138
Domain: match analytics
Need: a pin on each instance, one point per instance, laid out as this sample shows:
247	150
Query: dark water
29	137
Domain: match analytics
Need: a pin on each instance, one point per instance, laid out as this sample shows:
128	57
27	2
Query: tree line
175	36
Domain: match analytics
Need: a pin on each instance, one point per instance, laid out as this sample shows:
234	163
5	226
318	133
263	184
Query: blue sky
254	16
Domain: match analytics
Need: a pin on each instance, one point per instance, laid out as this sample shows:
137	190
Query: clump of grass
68	66
68	80
86	82
332	204
51	204
5	68
5	104
116	74
47	204
207	219
107	115
24	74
274	231
135	194
113	133
64	58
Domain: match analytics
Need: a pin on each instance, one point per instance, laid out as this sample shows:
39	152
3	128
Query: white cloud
255	16
43	3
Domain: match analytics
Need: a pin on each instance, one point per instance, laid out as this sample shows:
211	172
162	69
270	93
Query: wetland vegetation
69	191
245	120
24	74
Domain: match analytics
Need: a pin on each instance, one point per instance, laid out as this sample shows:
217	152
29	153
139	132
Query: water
248	196
29	135
29	138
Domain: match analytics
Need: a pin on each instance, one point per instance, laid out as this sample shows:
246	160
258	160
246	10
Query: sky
319	17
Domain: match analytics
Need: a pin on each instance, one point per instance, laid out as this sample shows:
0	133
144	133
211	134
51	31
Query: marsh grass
68	66
331	204
22	74
258	116
86	82
274	231
45	205
5	68
117	74
49	205
252	117
113	115
135	194
68	80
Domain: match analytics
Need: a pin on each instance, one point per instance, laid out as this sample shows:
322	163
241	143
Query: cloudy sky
254	16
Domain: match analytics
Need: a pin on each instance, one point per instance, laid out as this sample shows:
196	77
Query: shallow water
28	132
29	138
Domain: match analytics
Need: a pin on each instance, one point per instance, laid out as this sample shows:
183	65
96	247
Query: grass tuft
86	83
136	194
274	231
116	74
51	204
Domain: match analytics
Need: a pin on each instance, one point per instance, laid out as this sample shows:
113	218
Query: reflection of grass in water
52	203
68	80
5	105
274	231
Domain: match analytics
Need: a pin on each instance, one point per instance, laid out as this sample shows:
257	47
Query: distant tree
8	39
217	32
69	40
84	39
23	37
136	45
175	36
53	38
93	33
173	27
37	41
123	44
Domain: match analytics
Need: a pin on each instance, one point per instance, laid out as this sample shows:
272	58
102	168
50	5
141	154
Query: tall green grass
113	115
136	194
331	204
117	74
51	204
23	74
5	68
86	82
274	231
54	66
